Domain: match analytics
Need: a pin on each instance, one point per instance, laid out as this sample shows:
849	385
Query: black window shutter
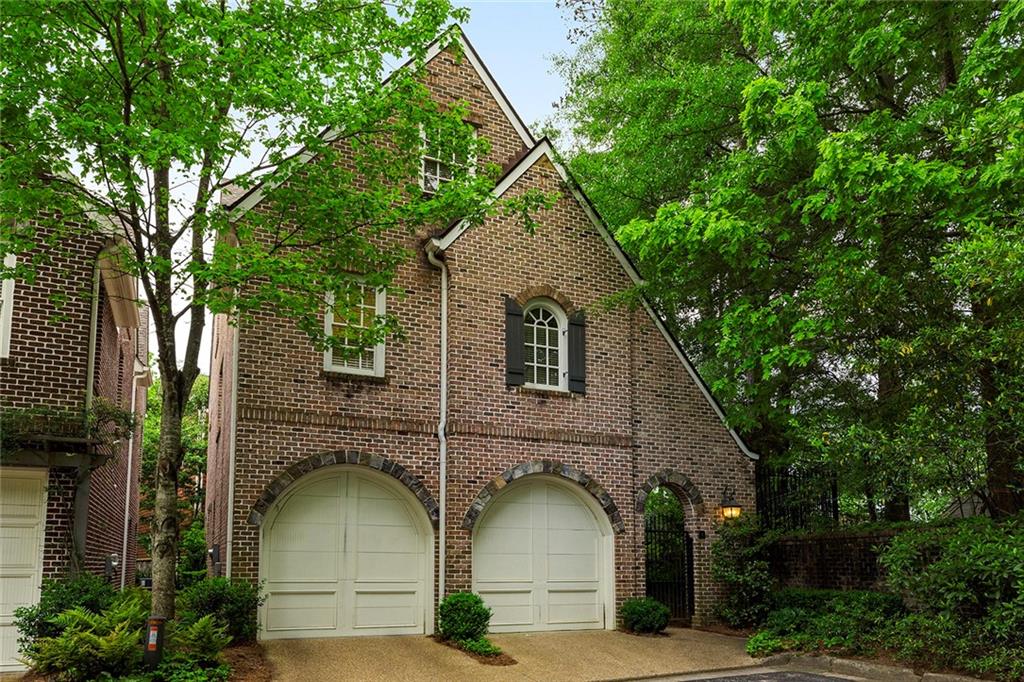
578	352
515	372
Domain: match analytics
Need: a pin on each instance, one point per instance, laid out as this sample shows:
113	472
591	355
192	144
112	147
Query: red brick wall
47	368
641	413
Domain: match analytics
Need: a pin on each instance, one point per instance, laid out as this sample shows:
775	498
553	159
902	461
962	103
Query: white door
540	560
345	555
22	519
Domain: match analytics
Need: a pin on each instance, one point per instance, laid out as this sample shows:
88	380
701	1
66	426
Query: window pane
530	374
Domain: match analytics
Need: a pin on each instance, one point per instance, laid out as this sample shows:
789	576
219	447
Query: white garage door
540	560
22	517
345	555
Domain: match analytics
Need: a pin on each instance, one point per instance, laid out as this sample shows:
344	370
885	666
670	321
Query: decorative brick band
460	427
680	483
376	462
545	466
545	291
278	415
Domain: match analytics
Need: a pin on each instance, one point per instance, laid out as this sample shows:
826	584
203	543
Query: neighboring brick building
325	478
69	478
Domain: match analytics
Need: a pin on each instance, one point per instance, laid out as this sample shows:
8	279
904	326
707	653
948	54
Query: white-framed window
545	353
366	304
6	308
439	165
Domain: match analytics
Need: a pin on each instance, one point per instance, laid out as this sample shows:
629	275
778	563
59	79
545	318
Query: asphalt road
767	677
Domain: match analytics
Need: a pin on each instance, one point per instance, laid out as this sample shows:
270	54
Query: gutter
433	256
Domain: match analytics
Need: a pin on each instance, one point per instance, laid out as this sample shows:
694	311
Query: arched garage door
346	553
542	559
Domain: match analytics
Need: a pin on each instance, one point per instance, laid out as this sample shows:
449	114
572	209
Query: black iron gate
669	564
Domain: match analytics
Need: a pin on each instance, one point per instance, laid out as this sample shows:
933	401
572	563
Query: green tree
826	200
137	114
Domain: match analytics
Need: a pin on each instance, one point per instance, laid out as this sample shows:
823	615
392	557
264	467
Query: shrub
739	561
645	615
480	646
233	603
763	644
91	645
462	617
202	641
177	670
191	566
57	596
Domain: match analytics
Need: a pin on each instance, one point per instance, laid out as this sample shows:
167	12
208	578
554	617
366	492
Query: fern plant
202	641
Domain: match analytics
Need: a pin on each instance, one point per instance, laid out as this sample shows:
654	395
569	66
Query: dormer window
544	336
364	305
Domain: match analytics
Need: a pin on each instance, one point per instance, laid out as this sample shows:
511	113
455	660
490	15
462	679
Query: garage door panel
378	512
510	515
19	548
510	607
511	541
303	566
309	610
505	568
574	606
394	539
392	609
389	566
571	567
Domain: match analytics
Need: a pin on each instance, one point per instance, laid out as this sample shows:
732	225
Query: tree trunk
165	507
1004	449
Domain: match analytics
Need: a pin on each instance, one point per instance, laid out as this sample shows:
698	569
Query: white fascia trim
544	149
436	48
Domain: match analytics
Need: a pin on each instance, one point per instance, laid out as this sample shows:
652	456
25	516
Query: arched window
544	345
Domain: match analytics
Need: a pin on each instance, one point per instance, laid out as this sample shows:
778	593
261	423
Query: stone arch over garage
552	468
376	462
679	483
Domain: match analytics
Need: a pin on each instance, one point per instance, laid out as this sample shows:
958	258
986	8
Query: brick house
506	446
73	348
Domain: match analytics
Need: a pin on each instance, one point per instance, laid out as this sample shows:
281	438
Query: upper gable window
439	164
6	308
544	336
365	305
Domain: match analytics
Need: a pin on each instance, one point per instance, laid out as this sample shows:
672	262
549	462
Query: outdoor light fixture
730	507
110	565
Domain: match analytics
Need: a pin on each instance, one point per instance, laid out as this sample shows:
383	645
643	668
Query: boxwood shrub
645	615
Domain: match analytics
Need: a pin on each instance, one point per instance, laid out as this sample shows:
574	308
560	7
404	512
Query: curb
858	668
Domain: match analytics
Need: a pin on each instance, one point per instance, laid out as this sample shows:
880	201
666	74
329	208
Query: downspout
231	448
128	480
442	421
83	479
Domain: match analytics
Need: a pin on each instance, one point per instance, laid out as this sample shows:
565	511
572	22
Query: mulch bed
500	659
248	663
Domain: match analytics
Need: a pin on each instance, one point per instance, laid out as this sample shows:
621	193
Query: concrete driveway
583	655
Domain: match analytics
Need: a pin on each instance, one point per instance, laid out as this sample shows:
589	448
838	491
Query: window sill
339	375
557	393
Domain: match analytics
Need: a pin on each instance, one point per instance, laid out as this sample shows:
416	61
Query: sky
516	39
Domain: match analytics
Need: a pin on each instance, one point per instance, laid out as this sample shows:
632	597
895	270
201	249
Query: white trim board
544	149
255	195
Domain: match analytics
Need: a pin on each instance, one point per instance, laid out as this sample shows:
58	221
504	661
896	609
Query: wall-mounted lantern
731	509
110	565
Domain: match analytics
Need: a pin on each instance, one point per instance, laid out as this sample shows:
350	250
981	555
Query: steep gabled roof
543	149
239	205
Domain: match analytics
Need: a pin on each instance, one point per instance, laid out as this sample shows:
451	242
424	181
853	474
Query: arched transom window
544	337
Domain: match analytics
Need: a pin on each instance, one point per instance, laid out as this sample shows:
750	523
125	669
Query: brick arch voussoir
545	291
299	469
679	483
550	467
